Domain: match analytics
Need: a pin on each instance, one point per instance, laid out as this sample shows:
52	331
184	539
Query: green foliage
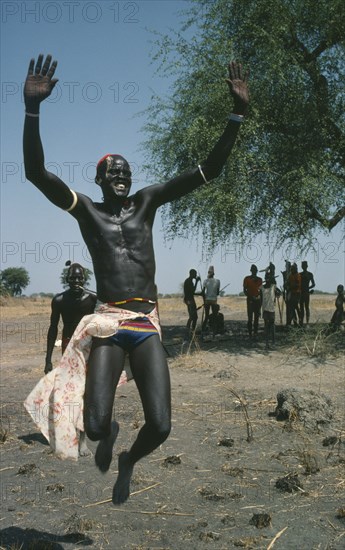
13	280
286	174
63	277
3	290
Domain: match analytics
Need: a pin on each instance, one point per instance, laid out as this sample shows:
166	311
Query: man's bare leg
151	375
121	489
104	371
104	451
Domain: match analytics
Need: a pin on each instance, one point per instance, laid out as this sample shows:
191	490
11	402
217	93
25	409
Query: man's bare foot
104	451
83	449
121	487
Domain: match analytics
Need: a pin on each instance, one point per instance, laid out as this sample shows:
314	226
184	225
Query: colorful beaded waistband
130	300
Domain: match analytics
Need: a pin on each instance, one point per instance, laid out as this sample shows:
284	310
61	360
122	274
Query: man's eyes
119	171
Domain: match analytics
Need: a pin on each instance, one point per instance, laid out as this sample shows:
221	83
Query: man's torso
252	285
188	290
268	298
73	309
306	279
121	247
211	287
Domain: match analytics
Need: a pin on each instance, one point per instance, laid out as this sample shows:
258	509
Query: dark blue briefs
133	333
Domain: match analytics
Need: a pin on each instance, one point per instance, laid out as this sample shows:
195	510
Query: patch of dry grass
13	307
318	341
198	359
17	308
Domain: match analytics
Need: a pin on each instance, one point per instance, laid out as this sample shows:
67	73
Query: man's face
76	279
118	178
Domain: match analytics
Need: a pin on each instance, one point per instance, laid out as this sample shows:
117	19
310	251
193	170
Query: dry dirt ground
212	484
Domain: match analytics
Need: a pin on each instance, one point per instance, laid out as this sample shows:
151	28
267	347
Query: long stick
135	493
224	287
280	311
276	538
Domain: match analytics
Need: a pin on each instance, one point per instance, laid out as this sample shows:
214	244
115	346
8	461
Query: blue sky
105	79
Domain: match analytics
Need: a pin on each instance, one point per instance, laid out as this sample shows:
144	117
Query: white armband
75	200
202	174
236	118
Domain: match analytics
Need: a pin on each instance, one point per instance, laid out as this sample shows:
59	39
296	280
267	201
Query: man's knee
96	426
161	429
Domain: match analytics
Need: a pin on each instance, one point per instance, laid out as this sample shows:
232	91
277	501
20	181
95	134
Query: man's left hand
238	87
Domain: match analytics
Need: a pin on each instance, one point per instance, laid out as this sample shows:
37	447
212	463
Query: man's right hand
48	367
39	82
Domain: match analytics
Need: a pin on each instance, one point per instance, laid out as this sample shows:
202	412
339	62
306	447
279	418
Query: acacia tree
13	280
286	175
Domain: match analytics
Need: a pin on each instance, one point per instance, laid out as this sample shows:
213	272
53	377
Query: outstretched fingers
237	82
51	71
31	67
46	65
236	72
48	68
39	64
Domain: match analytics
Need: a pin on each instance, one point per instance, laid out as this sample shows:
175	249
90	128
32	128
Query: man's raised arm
212	166
238	88
39	85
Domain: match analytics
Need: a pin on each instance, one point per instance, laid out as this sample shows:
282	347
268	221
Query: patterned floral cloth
56	402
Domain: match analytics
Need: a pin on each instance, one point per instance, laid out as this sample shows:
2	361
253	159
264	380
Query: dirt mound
315	411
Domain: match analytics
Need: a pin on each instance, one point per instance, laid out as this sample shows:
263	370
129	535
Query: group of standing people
261	296
297	290
210	290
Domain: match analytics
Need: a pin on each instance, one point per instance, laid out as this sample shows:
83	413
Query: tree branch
314	214
321	87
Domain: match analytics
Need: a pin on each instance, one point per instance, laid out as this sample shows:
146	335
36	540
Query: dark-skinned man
251	288
71	305
189	288
307	285
118	234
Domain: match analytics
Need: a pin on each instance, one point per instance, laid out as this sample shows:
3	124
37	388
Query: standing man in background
286	290
307	284
251	288
210	290
294	296
71	306
189	288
